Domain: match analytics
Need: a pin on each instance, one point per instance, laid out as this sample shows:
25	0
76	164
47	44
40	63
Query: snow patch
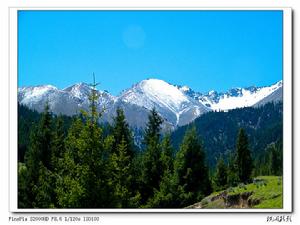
184	88
151	92
246	99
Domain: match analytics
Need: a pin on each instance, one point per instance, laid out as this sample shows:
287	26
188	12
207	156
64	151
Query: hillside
175	183
264	193
218	130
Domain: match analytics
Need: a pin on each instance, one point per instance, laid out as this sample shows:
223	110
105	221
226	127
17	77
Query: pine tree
233	177
121	177
167	155
151	164
85	180
164	196
23	201
121	132
45	136
190	170
221	175
244	160
72	139
275	160
152	132
39	153
40	142
122	151
69	187
57	144
44	189
93	165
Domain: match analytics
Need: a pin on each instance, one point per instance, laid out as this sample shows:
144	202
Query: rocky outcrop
240	200
226	200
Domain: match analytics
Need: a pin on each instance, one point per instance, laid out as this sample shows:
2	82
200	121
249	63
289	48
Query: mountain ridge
178	105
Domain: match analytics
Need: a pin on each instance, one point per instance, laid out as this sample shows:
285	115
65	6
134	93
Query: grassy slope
267	194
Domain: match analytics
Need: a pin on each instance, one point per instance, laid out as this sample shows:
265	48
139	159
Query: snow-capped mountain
82	92
236	97
178	105
68	101
167	99
275	96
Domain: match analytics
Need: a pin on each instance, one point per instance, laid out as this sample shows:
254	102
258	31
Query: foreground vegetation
265	192
86	166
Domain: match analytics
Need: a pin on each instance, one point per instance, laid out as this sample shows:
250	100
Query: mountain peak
162	91
37	90
212	92
151	81
172	103
46	86
79	85
184	88
151	89
80	90
278	84
49	86
82	84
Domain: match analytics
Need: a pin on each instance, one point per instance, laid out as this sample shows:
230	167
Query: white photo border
287	114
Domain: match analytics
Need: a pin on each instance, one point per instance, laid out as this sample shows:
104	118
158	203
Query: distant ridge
178	105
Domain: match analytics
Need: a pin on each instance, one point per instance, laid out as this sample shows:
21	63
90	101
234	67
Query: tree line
87	167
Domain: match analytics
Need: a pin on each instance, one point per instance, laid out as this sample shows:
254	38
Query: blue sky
206	50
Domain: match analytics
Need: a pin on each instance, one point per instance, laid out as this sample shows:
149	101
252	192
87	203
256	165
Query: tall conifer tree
244	160
233	176
221	175
164	196
190	170
167	155
121	164
38	160
70	190
86	170
151	165
57	145
121	132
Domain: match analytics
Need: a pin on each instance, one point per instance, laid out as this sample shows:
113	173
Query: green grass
266	194
217	204
271	194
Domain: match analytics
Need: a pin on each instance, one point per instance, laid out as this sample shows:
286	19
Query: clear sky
206	50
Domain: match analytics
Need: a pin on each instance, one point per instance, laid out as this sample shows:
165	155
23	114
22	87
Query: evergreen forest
76	162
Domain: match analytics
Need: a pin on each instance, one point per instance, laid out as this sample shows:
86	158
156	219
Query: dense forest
219	130
75	162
